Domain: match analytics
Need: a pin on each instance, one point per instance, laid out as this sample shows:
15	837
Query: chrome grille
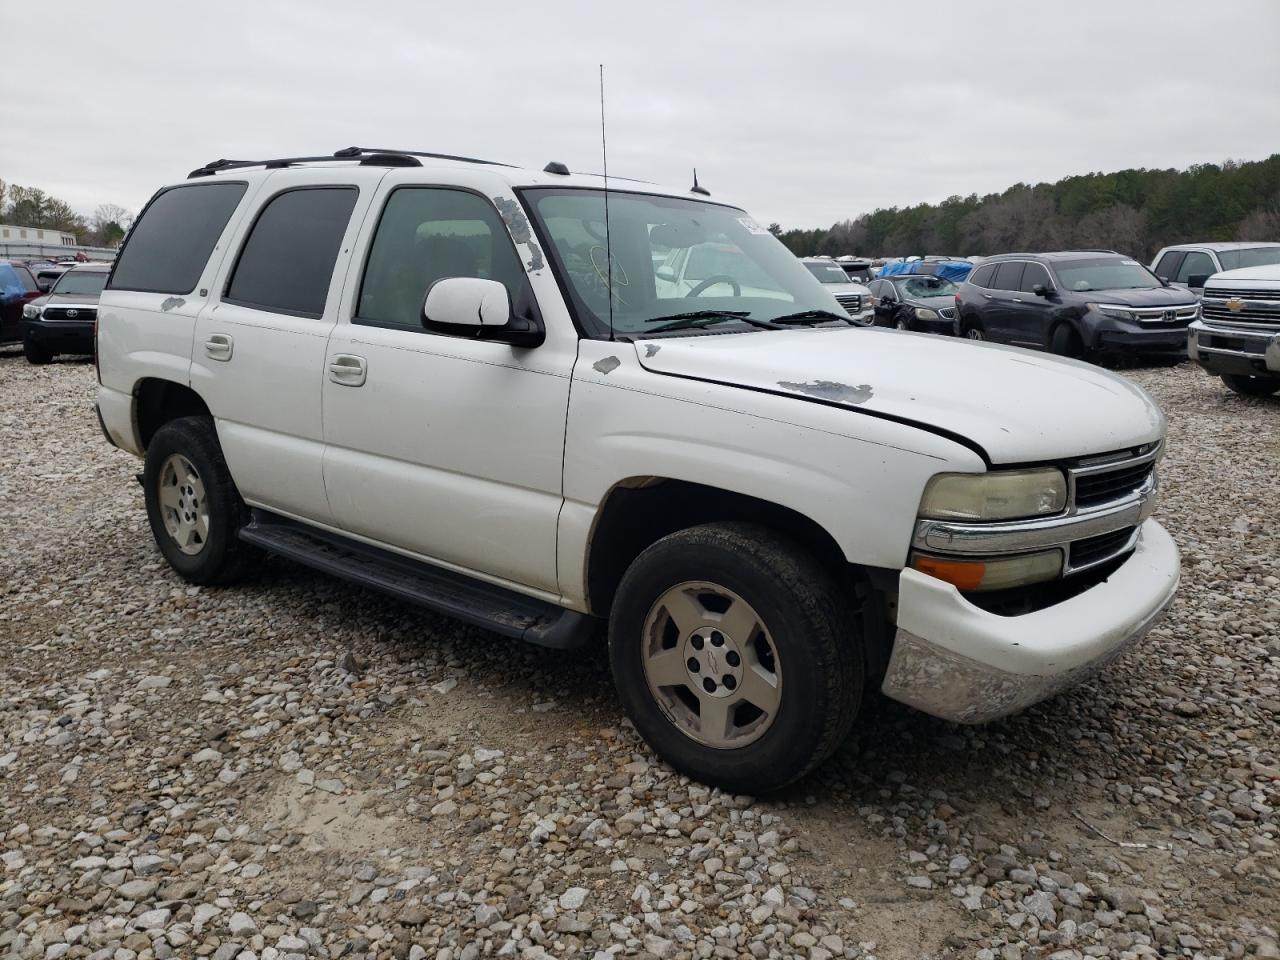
1257	308
1167	316
1098	481
850	301
947	313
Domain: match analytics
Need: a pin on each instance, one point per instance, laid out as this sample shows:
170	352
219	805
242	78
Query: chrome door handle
219	346
987	296
1017	299
348	370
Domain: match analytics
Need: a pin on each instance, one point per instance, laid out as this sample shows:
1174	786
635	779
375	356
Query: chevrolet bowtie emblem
1235	304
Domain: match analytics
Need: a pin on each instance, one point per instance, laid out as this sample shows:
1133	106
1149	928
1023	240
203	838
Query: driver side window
428	234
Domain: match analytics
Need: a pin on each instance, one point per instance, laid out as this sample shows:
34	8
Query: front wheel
1066	342
901	324
36	353
1248	386
735	656
193	506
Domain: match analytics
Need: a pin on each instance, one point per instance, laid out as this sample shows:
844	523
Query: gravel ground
297	768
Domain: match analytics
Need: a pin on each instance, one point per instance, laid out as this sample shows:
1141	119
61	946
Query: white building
13	234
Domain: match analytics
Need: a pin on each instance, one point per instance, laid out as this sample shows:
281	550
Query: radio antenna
608	246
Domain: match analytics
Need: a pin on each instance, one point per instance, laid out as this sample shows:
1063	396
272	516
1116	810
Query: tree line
32	207
1132	211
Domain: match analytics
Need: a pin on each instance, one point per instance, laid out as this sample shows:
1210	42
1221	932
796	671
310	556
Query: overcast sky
804	114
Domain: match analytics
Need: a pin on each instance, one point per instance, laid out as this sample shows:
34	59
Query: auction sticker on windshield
751	225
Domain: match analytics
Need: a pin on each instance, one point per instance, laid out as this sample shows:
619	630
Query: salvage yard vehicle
1076	303
853	296
923	303
18	287
464	384
62	321
1191	264
1237	336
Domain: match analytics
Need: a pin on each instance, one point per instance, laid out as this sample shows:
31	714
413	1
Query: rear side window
428	234
26	280
168	247
982	276
287	262
1033	274
1008	276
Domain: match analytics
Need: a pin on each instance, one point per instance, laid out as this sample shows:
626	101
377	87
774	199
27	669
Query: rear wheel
1066	342
36	353
734	656
1248	386
193	506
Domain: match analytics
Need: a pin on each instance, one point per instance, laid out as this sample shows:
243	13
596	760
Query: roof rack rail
366	156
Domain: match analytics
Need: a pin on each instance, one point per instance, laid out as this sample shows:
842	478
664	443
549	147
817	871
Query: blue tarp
955	270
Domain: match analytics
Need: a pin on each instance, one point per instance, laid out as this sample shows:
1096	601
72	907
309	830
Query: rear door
1029	313
1003	295
259	352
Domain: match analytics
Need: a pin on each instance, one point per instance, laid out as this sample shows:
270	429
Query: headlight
1115	313
981	575
1000	495
924	313
29	312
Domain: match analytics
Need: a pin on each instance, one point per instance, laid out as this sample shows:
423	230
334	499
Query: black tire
902	323
1066	342
806	613
1251	386
221	555
972	330
36	353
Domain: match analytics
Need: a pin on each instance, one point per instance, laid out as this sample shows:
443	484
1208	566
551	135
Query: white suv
455	382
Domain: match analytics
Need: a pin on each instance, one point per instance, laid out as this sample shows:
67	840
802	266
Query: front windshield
828	272
84	282
920	288
1104	273
1252	257
671	258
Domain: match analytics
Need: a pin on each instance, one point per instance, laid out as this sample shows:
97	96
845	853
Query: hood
69	299
933	303
1016	405
1270	271
850	287
1144	297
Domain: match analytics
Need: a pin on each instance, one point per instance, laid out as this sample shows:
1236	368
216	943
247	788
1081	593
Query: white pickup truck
455	382
1238	334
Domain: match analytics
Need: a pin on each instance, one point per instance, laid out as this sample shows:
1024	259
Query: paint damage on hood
1017	405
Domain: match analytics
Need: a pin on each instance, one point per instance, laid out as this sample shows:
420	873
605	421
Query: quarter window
286	264
428	234
982	276
168	247
1008	276
1195	264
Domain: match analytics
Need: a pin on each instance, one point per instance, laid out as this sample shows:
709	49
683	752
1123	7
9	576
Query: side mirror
667	276
1197	279
481	307
1164	281
1039	290
44	286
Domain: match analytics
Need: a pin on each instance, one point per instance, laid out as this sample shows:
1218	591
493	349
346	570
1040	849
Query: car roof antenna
703	191
608	246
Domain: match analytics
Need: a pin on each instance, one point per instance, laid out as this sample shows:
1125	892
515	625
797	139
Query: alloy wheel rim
183	505
973	333
711	665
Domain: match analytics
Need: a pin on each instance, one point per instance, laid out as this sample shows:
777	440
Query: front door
1029	312
259	345
442	446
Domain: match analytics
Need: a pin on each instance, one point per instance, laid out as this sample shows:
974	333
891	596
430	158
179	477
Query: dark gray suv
1075	303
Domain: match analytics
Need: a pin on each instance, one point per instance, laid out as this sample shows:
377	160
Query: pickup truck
1237	336
490	391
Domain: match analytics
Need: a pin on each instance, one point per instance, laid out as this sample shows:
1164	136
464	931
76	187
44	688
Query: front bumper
1134	339
61	336
1233	350
956	661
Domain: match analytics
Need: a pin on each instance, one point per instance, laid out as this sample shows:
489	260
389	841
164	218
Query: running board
453	594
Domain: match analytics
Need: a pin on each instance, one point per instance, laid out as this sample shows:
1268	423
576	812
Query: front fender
859	478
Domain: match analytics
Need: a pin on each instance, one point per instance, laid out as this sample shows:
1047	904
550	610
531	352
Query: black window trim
1010	290
528	293
1050	287
111	275
244	242
1177	256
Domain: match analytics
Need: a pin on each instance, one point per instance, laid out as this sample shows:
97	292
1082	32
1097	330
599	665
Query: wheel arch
156	401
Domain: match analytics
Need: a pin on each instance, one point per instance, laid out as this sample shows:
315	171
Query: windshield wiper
701	318
800	316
